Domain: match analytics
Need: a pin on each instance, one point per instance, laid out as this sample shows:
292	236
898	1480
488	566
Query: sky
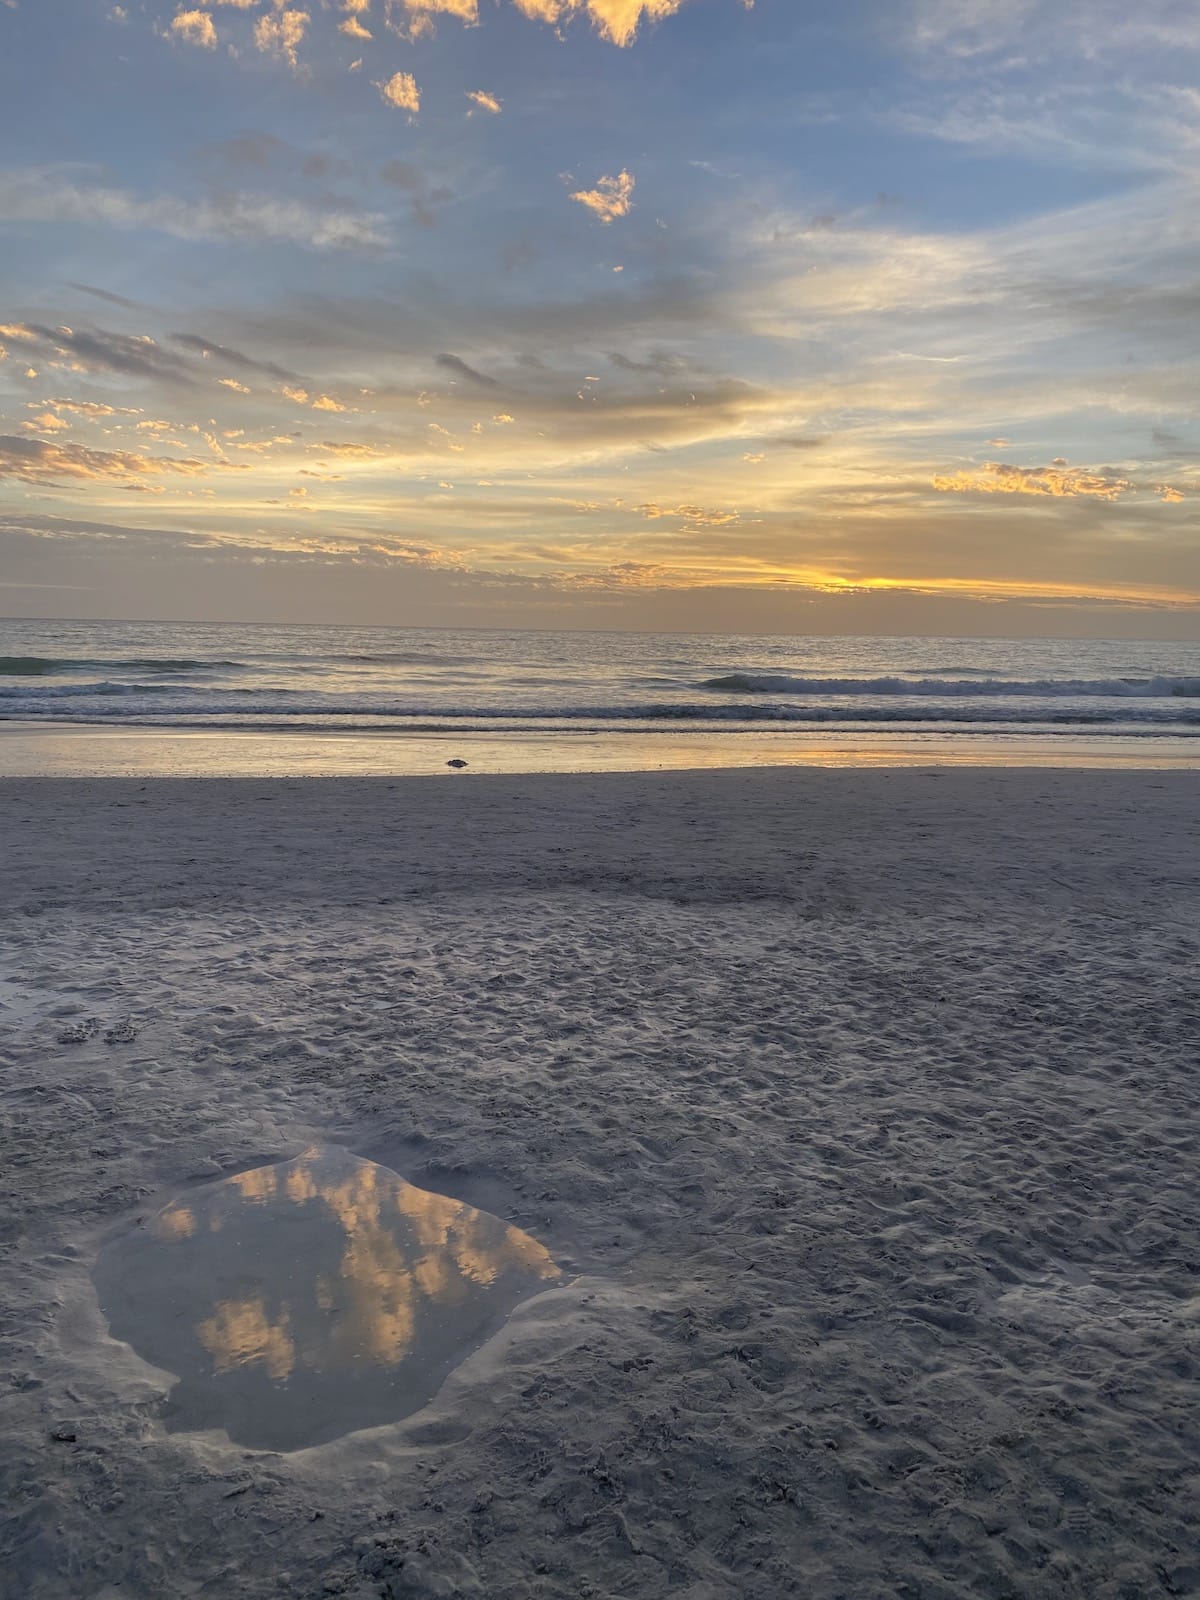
776	315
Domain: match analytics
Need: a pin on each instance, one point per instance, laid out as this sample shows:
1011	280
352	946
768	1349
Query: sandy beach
859	1107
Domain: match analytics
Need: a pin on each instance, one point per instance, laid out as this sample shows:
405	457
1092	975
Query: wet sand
861	1108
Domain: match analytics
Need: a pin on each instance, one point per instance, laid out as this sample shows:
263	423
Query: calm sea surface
493	684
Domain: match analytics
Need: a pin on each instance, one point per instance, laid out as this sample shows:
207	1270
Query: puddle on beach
299	1302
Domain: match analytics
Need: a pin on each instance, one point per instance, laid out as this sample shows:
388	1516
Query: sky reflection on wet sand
305	1300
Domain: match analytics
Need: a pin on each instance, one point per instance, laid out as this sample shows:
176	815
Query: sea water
638	688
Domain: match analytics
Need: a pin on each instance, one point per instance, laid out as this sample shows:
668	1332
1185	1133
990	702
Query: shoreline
99	750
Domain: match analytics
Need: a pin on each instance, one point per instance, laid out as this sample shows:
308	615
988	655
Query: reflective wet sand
63	750
305	1300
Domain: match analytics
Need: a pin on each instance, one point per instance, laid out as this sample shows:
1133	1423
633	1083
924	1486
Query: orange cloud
615	20
611	198
326	402
232	383
1057	481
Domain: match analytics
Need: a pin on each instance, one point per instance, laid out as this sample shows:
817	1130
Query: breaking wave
1038	688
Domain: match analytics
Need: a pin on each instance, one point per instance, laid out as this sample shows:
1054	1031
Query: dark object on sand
457	762
299	1302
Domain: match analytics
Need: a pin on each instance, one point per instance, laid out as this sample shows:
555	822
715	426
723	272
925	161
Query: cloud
458	366
615	20
97	350
1057	481
697	516
195	27
281	34
94	409
232	383
40	461
105	294
351	449
420	14
46	423
485	101
51	195
611	198
1052	30
208	348
296	396
401	91
325	402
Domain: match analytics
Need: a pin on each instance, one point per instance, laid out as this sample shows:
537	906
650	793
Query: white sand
864	1103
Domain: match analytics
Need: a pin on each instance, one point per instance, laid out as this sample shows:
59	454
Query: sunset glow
437	310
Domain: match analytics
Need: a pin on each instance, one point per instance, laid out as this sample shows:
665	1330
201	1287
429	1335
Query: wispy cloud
459	367
51	194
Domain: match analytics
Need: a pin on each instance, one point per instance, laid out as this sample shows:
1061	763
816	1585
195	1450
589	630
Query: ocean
495	684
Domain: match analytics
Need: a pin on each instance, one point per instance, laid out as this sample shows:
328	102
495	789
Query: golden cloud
326	402
611	198
401	91
281	34
1058	481
17	330
485	101
422	12
360	452
46	423
1168	495
354	28
232	383
616	20
699	516
297	396
196	27
94	408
